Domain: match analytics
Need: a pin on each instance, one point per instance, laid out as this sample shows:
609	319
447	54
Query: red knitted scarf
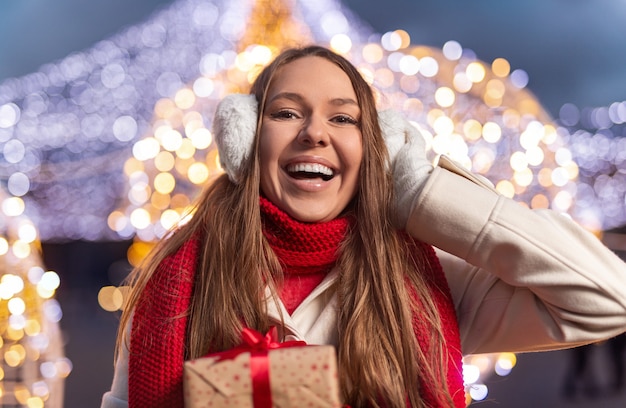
306	252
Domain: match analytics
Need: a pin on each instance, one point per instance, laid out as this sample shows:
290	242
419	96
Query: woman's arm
521	279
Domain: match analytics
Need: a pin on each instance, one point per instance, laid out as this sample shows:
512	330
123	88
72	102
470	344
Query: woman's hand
407	157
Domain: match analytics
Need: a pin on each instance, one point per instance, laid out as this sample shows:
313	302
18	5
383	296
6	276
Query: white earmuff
234	127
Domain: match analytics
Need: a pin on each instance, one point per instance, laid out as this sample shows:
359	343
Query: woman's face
310	142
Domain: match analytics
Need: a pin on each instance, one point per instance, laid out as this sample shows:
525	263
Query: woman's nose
314	132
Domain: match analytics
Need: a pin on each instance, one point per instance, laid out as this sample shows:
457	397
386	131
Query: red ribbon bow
259	347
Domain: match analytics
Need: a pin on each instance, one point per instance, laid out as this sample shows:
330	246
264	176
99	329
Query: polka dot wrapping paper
299	376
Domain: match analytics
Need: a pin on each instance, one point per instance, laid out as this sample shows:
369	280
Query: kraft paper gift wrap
299	375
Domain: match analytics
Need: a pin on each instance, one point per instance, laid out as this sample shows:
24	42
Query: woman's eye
284	114
344	119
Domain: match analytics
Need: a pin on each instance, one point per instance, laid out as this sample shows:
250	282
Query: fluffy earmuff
234	127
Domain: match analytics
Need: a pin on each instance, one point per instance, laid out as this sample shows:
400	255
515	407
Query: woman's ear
234	127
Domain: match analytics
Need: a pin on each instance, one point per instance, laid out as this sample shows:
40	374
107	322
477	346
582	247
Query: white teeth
310	168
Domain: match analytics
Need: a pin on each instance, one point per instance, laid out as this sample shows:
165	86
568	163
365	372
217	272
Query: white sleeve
118	396
521	279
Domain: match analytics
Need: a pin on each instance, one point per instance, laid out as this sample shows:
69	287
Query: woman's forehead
310	75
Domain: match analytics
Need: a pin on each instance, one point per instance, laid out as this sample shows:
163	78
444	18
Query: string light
131	118
32	362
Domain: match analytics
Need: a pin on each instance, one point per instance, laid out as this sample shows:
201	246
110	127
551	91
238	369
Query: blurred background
105	111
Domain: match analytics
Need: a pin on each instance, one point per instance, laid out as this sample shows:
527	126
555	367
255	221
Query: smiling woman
325	228
310	141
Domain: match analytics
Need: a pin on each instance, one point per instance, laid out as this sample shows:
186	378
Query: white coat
521	279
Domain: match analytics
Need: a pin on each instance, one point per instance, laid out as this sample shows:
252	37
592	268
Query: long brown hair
380	362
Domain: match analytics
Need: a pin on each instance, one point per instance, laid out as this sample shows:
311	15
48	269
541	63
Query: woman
302	233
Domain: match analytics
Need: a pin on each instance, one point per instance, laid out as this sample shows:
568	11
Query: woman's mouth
310	171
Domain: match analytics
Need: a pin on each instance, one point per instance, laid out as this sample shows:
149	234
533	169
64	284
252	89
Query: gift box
262	373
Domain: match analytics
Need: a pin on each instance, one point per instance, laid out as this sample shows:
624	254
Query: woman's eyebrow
296	97
287	95
343	101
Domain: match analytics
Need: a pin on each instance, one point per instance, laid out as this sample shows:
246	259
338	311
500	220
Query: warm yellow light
572	170
260	54
392	41
164	108
164	161
545	177
462	82
164	183
444	97
429	67
506	188
372	53
483	160
563	201
21	394
185	98
13	206
117	221
64	365
198	173
201	138
472	129
27	232
539	201
495	89
244	62
32	327
10	284
4	246
443	125
518	161
405	38
532	135
171	140
15	355
140	218
550	134
50	280
160	201
139	193
535	156
110	298
146	148
492	132
180	201
138	251
21	249
523	177
341	43
186	149
505	363
501	67
34	402
169	219
132	165
475	72
16	306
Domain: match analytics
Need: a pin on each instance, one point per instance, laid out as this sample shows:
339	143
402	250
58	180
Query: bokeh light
29	329
119	136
